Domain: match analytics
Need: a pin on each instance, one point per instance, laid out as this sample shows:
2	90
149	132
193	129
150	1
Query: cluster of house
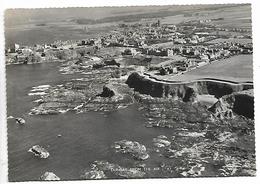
17	54
199	56
203	52
23	54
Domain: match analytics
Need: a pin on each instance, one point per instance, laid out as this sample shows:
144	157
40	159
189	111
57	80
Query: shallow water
85	137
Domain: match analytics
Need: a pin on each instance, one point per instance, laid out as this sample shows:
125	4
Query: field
233	17
236	17
237	69
48	33
80	23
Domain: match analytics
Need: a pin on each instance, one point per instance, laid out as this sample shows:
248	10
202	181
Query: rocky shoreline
202	138
215	140
82	95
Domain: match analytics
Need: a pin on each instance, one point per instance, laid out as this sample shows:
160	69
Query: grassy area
159	61
237	68
164	45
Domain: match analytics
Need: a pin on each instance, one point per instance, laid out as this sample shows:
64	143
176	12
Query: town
163	48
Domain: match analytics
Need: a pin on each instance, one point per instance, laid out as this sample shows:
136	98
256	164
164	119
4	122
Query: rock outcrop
49	176
107	92
39	151
200	138
20	121
135	149
222	109
84	94
241	103
185	91
111	62
93	174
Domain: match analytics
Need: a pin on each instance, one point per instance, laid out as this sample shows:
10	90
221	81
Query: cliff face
237	98
157	89
144	86
244	105
184	91
218	89
241	103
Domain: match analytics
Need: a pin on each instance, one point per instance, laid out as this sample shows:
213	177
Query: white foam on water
38	100
77	107
37	94
10	117
42	86
63	111
39	89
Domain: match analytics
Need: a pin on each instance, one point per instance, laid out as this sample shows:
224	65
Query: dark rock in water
93	174
107	92
39	151
116	171
135	149
20	121
111	62
98	65
49	176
